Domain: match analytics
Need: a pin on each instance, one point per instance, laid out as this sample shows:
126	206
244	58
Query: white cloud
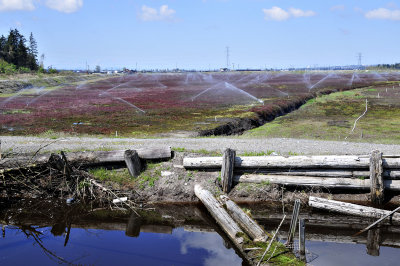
297	13
65	6
12	5
151	14
383	13
275	13
278	14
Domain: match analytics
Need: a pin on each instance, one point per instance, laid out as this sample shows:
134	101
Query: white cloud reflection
212	243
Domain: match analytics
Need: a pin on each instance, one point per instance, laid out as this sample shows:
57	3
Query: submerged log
87	157
249	225
220	215
339	183
349	208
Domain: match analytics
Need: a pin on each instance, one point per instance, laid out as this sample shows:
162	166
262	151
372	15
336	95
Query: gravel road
279	145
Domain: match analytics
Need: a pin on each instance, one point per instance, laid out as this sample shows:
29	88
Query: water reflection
110	247
177	235
212	243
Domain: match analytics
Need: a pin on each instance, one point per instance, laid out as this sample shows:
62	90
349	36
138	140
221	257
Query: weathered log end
228	163
133	162
376	177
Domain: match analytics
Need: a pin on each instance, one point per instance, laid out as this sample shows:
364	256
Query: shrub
7	68
24	70
52	70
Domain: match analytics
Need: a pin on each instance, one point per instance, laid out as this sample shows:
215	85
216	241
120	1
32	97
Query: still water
113	247
177	235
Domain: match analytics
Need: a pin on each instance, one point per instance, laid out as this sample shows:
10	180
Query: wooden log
302	237
67	169
349	208
56	162
87	157
271	162
373	242
380	220
329	182
228	161
376	178
245	221
133	162
391	174
220	215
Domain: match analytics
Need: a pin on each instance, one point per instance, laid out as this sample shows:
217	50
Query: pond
114	247
182	234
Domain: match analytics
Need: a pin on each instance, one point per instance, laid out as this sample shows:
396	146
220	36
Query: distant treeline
389	66
16	54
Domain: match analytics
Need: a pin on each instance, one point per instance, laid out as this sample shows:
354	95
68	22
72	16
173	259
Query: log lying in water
248	224
87	157
349	208
220	215
273	162
329	182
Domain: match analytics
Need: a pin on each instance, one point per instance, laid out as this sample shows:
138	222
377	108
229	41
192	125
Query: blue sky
195	33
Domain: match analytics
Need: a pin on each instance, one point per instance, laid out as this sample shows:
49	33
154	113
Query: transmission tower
227	57
359	57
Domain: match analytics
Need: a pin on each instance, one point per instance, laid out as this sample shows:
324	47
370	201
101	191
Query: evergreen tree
3	41
22	53
32	53
14	51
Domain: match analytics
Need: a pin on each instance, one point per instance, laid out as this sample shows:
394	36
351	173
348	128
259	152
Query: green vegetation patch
331	117
278	254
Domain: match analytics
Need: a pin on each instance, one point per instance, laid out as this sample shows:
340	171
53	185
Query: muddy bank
161	182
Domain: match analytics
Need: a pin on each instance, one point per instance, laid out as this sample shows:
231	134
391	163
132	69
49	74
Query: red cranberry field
151	104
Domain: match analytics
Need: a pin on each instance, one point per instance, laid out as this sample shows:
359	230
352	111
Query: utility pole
227	57
359	57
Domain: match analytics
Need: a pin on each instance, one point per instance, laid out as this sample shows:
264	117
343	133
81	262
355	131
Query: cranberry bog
155	104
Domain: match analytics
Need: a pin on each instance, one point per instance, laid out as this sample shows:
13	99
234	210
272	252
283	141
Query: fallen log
349	208
87	157
330	161
342	173
249	225
339	183
272	162
220	215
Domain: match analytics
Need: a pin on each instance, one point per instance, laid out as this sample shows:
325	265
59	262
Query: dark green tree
3	41
22	53
32	53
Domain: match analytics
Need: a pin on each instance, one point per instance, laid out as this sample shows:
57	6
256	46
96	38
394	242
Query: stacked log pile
374	172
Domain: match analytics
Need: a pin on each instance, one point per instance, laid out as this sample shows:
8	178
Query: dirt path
278	145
